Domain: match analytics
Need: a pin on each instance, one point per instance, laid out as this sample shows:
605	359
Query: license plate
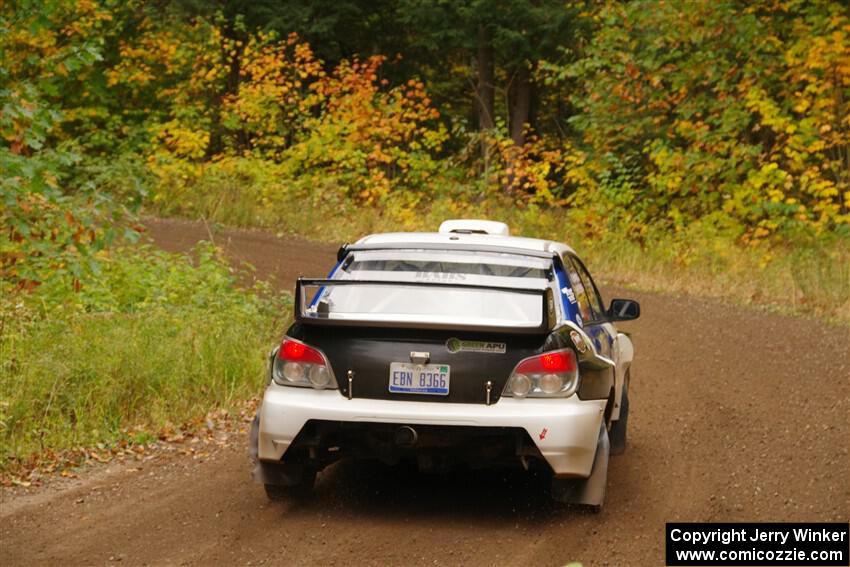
408	378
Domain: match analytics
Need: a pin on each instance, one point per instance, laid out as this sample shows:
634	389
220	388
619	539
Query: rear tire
617	433
562	493
295	493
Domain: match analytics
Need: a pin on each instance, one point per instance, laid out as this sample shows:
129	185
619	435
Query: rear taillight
298	364
548	375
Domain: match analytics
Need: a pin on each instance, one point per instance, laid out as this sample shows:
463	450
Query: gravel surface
736	415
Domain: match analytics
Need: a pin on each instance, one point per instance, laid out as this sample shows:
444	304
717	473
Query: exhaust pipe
405	436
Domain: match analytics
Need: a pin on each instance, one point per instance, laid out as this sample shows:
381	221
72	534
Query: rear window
427	264
439	304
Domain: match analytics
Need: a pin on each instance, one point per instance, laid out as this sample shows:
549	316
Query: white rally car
466	346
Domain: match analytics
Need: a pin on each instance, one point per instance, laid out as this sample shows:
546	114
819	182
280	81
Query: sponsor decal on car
454	345
578	341
449	277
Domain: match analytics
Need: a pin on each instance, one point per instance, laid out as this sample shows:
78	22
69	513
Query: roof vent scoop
471	226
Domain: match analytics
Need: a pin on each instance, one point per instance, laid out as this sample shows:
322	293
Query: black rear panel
368	352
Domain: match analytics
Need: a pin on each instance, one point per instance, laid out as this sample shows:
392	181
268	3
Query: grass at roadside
807	275
153	341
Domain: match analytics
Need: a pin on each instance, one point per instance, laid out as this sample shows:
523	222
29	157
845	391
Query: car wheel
617	433
297	492
564	494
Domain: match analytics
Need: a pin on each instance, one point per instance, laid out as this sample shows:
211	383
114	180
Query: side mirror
623	310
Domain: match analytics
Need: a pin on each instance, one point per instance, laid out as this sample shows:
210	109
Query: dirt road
736	415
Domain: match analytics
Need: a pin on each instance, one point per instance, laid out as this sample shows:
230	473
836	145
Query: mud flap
281	474
589	491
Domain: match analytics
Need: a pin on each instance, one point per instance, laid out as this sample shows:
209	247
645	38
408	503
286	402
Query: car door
595	321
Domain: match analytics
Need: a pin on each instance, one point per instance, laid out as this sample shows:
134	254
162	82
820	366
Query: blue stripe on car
570	309
321	290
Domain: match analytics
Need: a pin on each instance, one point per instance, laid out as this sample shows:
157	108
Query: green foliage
155	338
345	129
49	230
717	111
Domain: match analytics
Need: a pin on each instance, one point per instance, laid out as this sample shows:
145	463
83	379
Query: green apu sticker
454	345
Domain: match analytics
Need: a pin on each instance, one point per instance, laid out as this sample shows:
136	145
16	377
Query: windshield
455	303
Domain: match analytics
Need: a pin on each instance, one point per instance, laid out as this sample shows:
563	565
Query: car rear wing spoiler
307	314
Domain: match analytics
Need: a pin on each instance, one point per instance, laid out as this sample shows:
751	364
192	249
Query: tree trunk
520	94
486	92
520	107
485	95
233	62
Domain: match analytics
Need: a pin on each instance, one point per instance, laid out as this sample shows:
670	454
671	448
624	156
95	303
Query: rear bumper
565	431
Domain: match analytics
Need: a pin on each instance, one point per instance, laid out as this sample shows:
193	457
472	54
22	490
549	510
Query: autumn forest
699	146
